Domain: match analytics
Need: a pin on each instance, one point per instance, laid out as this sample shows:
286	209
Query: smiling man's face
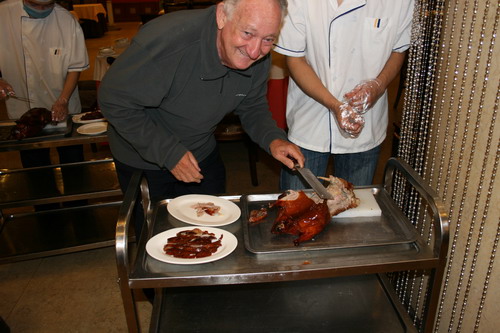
249	33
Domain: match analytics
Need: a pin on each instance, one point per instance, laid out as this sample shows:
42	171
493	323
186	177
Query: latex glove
364	95
350	122
60	109
6	89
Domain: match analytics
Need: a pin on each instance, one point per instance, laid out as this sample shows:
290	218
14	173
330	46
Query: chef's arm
305	77
366	93
60	107
391	69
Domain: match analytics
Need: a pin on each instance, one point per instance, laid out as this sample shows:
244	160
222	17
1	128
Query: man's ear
220	15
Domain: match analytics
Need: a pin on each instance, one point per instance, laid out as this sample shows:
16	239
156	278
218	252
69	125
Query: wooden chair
92	28
230	129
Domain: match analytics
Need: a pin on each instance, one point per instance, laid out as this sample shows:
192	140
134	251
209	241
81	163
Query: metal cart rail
70	228
59	230
306	273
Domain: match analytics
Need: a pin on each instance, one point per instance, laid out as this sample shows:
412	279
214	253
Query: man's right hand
5	89
187	169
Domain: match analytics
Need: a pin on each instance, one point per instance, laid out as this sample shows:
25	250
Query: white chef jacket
36	55
344	45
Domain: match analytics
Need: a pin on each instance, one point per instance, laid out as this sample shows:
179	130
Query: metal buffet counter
337	282
27	232
48	138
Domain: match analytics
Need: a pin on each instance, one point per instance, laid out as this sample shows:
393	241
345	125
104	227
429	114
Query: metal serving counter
64	137
287	287
27	233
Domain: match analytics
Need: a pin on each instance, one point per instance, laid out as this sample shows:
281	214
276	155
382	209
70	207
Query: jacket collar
349	6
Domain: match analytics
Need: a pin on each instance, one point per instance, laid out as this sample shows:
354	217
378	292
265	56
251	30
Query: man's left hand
283	151
60	109
187	169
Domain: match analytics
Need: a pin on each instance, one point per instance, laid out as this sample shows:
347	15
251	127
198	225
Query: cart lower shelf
362	303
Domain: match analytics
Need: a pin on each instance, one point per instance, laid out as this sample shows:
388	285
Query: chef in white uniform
42	53
332	46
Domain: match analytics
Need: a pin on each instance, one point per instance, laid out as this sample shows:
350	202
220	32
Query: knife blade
22	99
313	181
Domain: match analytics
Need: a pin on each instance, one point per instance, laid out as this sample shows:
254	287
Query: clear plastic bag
364	95
351	123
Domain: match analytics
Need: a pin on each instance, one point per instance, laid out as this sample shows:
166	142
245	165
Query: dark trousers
41	157
162	184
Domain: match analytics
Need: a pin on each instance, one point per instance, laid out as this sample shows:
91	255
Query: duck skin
31	123
300	216
305	217
291	204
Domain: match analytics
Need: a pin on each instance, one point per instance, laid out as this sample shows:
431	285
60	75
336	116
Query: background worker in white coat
42	53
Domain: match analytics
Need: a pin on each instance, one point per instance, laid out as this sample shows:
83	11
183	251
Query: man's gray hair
230	5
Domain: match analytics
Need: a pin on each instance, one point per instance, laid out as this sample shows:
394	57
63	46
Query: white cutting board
368	205
61	124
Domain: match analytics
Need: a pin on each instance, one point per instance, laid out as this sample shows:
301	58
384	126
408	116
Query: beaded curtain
450	136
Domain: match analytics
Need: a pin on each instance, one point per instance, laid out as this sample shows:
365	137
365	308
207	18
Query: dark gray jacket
167	92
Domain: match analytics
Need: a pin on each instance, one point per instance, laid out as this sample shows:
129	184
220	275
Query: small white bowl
122	42
106	51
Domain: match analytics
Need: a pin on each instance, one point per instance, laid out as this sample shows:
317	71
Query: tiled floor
78	292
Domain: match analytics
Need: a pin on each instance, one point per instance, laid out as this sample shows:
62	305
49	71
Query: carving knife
22	99
313	181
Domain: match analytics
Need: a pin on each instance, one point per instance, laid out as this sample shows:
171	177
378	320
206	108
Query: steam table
27	234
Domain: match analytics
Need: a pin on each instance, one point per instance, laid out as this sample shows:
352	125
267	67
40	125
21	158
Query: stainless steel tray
391	228
45	134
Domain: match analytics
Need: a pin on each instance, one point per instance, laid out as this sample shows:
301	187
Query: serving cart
345	287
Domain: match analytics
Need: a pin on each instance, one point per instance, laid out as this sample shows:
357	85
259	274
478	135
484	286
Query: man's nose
254	48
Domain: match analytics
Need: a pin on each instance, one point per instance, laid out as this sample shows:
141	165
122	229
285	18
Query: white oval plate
181	209
93	128
154	247
77	118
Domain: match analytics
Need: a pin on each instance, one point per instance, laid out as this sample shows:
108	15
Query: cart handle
439	215
121	243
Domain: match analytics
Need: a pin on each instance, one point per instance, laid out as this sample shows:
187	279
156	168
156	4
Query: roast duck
306	216
31	123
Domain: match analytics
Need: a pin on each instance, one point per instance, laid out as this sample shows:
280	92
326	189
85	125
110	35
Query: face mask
37	13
